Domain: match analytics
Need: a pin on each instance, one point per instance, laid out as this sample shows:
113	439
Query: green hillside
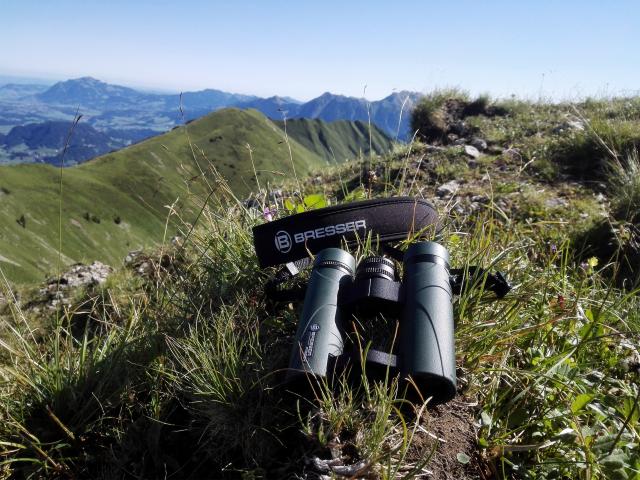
180	372
339	140
119	202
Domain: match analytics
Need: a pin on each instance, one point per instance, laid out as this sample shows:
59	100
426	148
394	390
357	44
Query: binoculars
425	351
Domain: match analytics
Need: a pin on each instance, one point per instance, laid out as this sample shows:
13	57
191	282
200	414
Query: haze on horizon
530	49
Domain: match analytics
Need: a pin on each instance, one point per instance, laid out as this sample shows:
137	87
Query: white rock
480	199
555	202
472	151
447	189
479	143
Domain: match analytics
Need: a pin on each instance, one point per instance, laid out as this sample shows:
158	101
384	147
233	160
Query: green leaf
630	410
615	460
580	401
289	205
316	200
463	458
357	194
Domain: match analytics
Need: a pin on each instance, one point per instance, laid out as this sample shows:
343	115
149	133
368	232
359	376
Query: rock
460	141
275	195
55	291
448	189
434	149
601	186
480	199
82	275
572	124
575	124
479	143
252	203
471	151
459	209
556	202
459	128
140	262
132	257
513	154
495	150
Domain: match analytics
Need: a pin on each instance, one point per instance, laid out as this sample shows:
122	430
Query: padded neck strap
388	219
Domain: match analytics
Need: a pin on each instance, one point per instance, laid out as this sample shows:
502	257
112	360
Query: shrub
587	153
429	118
618	238
624	178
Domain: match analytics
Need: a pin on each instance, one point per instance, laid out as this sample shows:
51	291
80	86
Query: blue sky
302	48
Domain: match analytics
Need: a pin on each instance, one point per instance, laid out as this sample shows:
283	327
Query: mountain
393	113
91	93
330	107
273	107
97	95
45	142
337	141
119	202
128	116
385	113
211	99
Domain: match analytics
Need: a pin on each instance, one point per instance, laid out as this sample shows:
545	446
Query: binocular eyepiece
425	357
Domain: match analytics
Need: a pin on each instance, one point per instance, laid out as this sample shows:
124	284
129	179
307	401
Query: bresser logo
283	239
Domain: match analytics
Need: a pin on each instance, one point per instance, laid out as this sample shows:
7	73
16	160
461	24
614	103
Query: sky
531	49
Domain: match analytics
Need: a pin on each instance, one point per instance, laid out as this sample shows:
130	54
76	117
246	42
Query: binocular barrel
319	333
426	350
427	331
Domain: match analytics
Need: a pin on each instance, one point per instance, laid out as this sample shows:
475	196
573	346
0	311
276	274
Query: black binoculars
425	351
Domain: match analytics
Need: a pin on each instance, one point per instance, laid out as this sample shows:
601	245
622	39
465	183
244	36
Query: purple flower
267	214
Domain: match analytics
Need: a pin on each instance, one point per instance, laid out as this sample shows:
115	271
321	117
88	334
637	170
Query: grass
121	202
178	374
338	141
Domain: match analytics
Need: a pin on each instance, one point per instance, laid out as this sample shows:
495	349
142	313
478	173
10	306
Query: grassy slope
177	374
338	141
134	185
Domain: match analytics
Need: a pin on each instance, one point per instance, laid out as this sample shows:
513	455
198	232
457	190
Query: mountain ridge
136	115
120	201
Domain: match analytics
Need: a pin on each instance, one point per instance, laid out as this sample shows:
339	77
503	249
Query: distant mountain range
385	113
123	115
